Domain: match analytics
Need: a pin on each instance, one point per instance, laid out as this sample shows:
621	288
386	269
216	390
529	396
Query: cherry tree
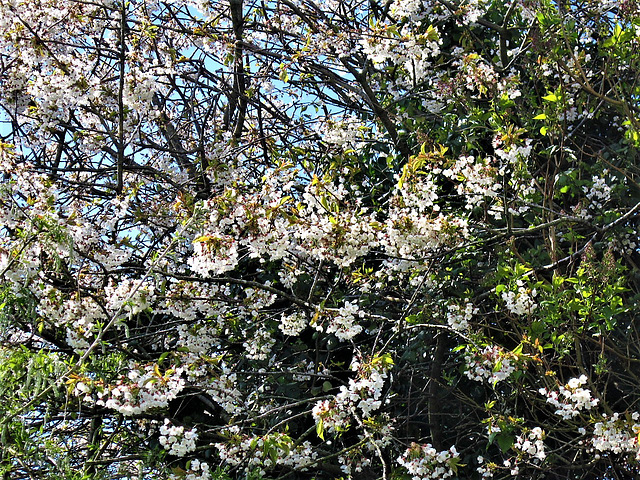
330	239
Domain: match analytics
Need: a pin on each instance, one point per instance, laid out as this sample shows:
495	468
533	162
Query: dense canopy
319	239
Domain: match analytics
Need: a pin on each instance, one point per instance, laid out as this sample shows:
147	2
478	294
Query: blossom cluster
616	435
259	346
329	225
531	444
458	317
192	303
214	253
510	152
176	440
143	389
520	302
354	462
570	399
196	341
413	10
262	453
599	193
342	322
485	469
223	389
412	50
348	133
478	179
492	364
472	10
293	324
196	470
423	462
363	393
129	296
477	74
378	436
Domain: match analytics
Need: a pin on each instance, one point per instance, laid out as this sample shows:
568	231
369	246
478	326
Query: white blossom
570	399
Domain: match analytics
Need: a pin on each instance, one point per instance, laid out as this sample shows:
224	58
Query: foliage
350	239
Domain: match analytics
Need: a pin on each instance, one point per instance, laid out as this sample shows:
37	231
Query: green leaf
498	366
384	359
505	442
454	463
320	429
284	76
617	30
273	454
542	116
543	130
550	98
431	34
